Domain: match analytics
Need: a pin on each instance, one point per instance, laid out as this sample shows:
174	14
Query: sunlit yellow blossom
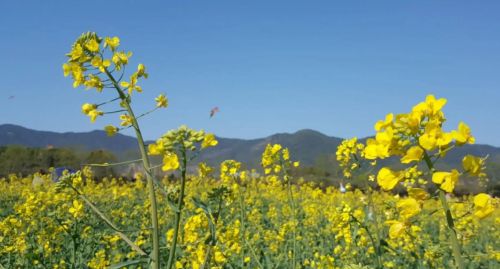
132	85
408	207
275	148
349	154
229	169
388	179
431	106
209	141
76	209
120	58
385	123
434	137
92	45
396	228
67	69
112	42
76	52
110	130
99	63
418	193
434	105
219	257
446	180
376	150
463	134
161	101
126	120
413	154
155	149
286	154
94	82
141	71
93	113
170	161
427	141
86	108
99	261
483	205
204	170
473	165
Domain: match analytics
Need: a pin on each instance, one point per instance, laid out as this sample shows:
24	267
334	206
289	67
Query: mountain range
307	146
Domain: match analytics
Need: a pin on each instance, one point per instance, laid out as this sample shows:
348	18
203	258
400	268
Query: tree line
24	161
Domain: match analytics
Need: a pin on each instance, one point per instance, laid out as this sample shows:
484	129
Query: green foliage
25	161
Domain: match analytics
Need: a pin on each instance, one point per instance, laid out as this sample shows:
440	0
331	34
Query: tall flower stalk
276	159
417	137
350	156
187	144
88	66
455	245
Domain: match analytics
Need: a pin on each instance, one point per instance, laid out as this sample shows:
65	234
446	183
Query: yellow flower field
42	227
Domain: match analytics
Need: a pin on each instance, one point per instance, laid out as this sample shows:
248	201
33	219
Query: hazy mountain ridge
305	145
17	135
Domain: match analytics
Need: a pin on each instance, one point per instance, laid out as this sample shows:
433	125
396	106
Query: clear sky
270	66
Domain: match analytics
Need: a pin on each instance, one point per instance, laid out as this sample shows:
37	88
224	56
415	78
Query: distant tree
25	161
100	157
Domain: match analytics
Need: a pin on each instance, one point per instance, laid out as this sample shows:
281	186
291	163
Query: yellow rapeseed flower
483	205
446	180
141	71
92	45
408	207
155	149
76	209
385	123
170	161
473	165
418	193
76	52
396	228
463	134
112	42
161	101
86	108
110	130
100	63
413	154
209	141
388	179
93	114
126	120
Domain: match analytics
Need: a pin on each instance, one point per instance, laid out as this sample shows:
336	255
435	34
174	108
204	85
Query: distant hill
306	146
17	135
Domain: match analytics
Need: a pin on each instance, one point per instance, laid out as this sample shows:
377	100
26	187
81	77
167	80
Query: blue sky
270	66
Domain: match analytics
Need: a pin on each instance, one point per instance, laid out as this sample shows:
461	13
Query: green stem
242	224
370	236
291	200
74	251
155	254
377	229
180	203
110	224
111	164
455	245
243	232
294	218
